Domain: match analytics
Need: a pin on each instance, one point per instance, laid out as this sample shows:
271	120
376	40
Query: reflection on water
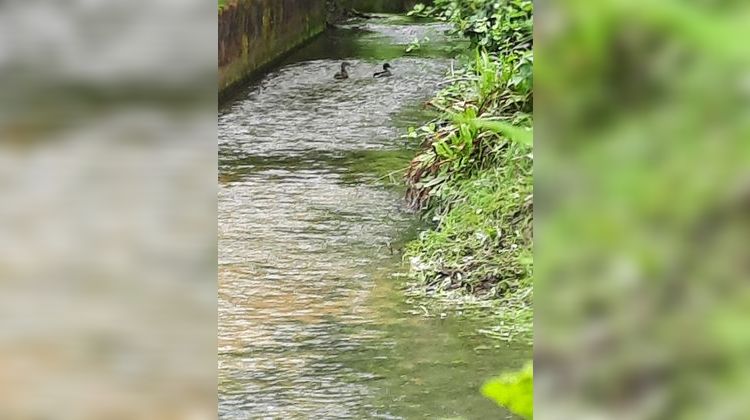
309	322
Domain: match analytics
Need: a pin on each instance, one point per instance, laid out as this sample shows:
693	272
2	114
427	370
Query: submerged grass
381	166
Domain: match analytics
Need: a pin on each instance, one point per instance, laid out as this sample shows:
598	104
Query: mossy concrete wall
253	33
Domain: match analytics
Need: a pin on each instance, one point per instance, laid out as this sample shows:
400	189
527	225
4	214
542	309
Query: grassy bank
473	176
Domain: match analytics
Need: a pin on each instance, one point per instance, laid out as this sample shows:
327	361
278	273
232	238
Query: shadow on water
311	323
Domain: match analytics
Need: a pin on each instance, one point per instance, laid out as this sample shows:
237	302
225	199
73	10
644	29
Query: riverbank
472	179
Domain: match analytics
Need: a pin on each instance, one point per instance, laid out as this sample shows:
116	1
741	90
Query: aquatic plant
416	44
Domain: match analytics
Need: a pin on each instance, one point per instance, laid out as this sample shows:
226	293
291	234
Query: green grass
481	243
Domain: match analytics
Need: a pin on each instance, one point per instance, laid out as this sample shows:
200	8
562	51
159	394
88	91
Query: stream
312	323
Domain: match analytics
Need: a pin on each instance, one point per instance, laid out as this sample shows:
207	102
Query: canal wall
253	33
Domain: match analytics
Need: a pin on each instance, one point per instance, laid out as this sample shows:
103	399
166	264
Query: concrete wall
253	33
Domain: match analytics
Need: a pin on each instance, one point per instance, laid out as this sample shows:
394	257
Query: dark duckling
342	74
385	73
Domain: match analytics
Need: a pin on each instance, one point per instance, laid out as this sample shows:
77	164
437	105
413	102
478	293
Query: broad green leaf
514	391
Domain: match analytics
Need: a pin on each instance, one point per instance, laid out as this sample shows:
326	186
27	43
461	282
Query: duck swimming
342	74
385	73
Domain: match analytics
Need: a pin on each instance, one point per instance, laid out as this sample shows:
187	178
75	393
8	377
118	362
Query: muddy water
311	323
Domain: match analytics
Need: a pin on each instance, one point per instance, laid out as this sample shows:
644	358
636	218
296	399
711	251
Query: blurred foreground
642	195
108	211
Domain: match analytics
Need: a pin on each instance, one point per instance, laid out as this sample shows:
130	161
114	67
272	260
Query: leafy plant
497	25
485	123
514	391
416	44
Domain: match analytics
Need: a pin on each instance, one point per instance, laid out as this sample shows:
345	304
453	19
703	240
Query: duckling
342	74
385	73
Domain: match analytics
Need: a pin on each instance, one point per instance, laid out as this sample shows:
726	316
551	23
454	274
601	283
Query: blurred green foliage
642	209
514	391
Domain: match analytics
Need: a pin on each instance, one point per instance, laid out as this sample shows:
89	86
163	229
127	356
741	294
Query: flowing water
311	322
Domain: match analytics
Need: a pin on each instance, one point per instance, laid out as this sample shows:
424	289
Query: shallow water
311	323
